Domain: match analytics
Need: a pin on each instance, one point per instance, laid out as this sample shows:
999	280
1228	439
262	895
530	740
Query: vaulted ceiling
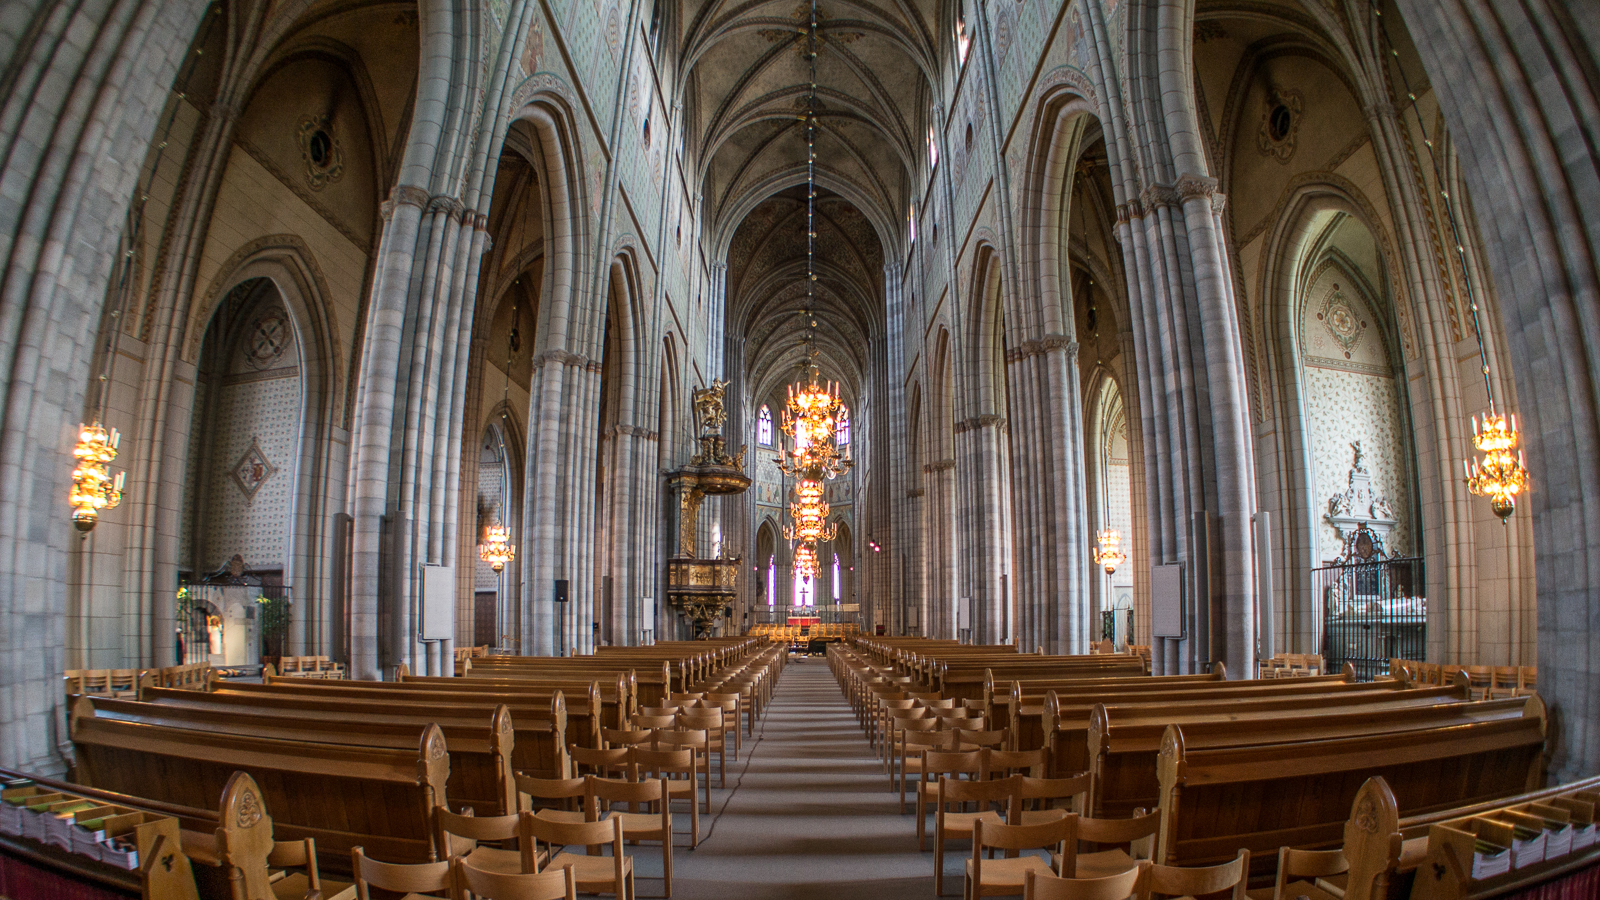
748	81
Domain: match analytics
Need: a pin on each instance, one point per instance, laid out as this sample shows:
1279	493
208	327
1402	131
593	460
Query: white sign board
438	603
1166	601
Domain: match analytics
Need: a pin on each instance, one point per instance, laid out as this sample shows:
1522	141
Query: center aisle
810	816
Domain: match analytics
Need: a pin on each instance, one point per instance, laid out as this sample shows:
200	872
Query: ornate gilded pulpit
703	588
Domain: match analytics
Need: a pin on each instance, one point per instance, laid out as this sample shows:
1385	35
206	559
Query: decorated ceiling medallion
252	470
1280	123
269	338
320	150
1345	327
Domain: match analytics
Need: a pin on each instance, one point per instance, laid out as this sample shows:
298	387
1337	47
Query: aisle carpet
807	813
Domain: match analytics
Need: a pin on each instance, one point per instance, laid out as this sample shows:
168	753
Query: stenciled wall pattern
1350	396
255	449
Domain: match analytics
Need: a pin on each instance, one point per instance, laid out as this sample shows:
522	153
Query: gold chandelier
496	549
1500	476
809	514
93	488
805	561
1109	554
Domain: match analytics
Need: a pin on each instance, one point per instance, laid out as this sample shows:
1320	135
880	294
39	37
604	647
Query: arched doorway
1111	501
236	538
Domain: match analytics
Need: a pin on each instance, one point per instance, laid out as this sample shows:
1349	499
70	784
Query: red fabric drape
22	880
1581	885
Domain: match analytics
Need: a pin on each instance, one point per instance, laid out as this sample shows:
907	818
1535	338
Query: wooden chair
559	794
893	722
935	766
459	836
637	825
696	740
1000	877
1038	885
913	745
301	857
678	768
1300	864
659	710
730	719
1137	833
1040	799
742	707
1181	881
711	722
590	873
412	881
905	747
557	884
948	824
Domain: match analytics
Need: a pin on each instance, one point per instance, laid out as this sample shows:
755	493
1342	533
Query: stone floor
807	813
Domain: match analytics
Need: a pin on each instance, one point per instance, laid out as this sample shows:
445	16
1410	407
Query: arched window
842	429
764	426
963	34
836	580
804	590
772	581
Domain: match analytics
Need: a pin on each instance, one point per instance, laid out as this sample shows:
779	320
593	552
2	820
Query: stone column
1510	76
87	84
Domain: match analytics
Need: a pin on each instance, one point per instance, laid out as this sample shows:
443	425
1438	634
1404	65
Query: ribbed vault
767	297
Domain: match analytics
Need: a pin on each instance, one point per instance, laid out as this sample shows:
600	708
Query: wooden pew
1297	794
539	736
481	748
1428	857
1124	741
617	692
341	795
1064	723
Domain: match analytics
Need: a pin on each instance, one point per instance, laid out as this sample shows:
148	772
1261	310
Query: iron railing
1372	612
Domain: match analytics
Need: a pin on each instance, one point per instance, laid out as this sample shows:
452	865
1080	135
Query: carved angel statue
708	405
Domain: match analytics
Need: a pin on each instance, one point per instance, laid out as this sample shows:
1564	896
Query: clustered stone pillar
88	84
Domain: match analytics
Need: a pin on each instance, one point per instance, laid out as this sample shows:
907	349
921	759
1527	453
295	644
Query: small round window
1279	121
320	148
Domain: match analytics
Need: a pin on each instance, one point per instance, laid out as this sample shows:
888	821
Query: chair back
626	737
999	763
401	878
564	834
978	738
983	793
459	834
1039	886
1293	864
606	791
561	789
1045	791
1182	881
556	884
589	760
661	762
1056	833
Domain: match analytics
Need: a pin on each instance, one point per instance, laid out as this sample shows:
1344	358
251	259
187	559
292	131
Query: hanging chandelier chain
1449	208
1501	474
